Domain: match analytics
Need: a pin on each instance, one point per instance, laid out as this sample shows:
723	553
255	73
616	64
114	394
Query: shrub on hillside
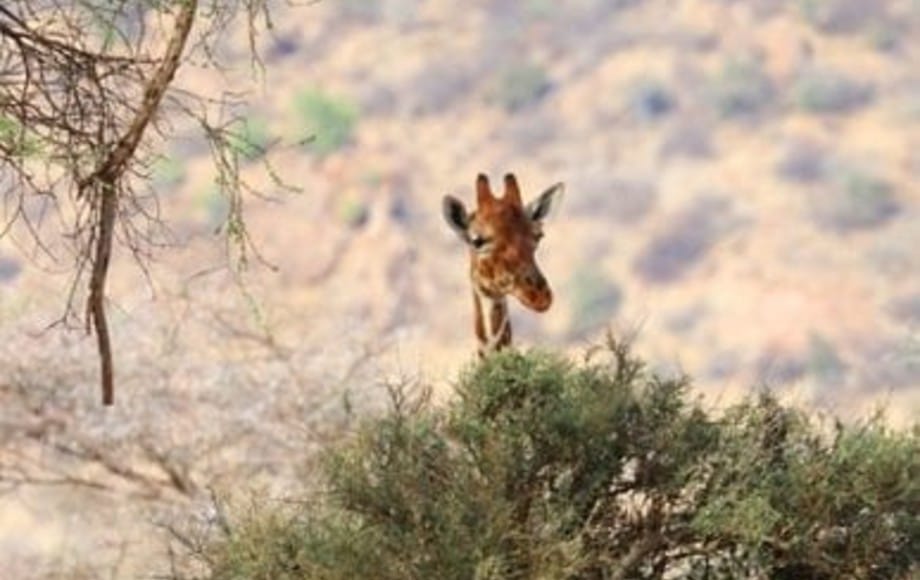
521	84
687	139
740	88
436	88
541	468
168	172
857	200
249	137
842	16
353	212
829	91
326	122
802	161
16	140
650	100
213	206
690	234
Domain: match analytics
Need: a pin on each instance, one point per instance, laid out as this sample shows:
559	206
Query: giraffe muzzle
542	301
534	292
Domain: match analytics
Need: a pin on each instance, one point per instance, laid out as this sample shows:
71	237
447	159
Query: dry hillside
743	192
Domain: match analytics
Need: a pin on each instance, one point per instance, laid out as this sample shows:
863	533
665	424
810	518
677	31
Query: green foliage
826	506
858	200
741	87
16	140
353	211
826	91
326	121
249	137
541	468
521	84
168	171
213	205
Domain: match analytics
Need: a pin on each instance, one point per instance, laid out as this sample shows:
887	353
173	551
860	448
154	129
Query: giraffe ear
538	209
456	216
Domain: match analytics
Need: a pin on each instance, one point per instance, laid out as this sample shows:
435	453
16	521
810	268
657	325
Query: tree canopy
541	468
84	89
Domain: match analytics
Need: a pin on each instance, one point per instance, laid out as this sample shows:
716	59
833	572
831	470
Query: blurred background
742	195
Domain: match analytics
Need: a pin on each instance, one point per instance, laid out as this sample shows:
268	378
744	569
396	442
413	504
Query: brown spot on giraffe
502	234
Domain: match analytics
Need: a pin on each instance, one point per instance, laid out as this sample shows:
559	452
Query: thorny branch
104	184
80	85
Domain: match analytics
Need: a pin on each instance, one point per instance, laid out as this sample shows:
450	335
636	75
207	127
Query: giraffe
502	235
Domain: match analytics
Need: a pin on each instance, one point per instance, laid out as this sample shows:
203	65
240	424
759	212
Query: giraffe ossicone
502	234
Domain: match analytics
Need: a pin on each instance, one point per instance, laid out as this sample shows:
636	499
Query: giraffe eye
479	242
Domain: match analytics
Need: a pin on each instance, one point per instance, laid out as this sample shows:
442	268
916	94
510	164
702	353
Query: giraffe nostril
537	280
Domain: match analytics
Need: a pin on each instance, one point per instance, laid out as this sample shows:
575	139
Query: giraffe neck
493	325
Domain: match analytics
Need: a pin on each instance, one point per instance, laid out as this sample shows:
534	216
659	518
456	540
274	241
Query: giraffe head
503	234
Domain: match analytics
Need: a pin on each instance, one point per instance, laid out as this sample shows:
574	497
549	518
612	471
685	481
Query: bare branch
105	184
81	85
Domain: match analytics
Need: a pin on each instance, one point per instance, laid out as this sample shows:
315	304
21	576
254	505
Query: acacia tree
600	470
82	87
